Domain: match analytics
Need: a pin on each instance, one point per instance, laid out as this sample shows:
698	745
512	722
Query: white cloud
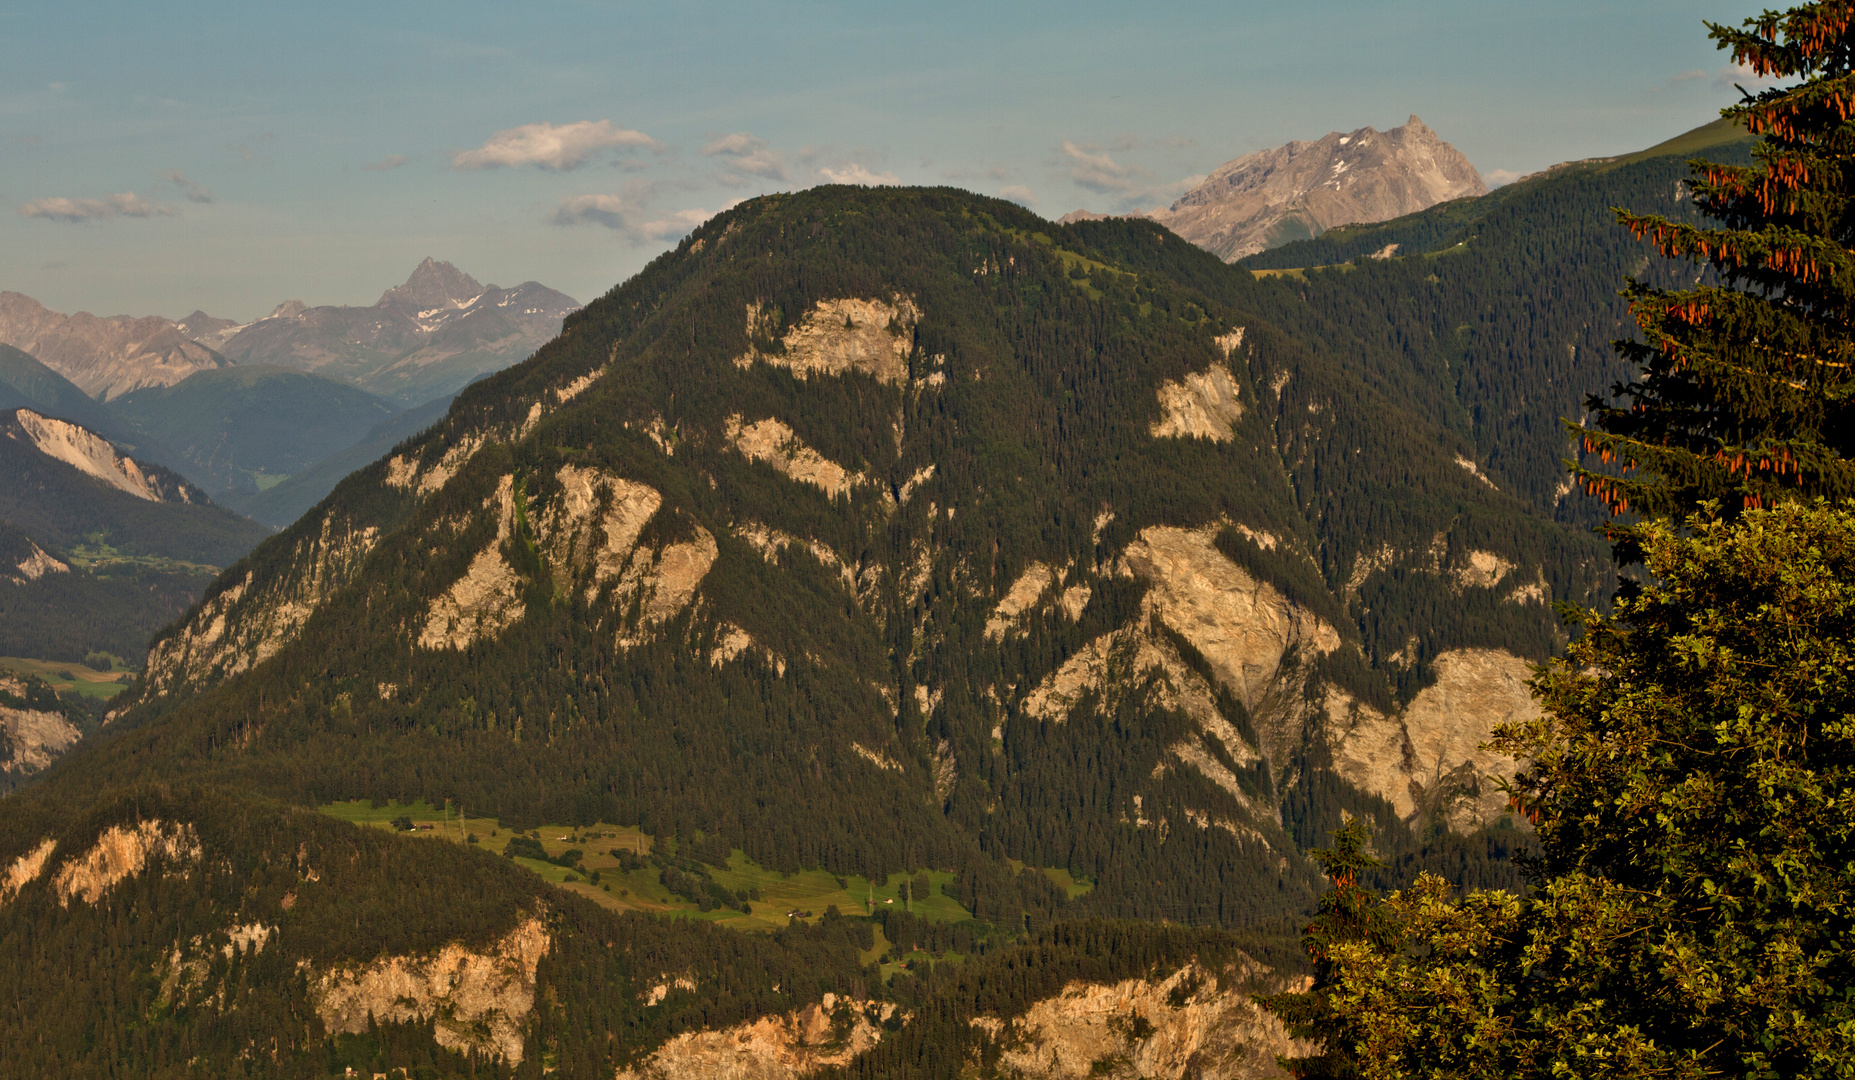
561	148
629	214
608	210
1096	170
745	156
391	161
1018	193
674	227
1495	178
854	173
196	193
125	204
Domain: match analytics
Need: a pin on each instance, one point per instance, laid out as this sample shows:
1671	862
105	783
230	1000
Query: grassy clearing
100	557
808	893
62	677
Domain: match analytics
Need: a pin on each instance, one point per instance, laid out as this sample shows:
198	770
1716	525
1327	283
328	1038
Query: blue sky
155	159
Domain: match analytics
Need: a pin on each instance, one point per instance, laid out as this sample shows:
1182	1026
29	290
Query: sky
161	158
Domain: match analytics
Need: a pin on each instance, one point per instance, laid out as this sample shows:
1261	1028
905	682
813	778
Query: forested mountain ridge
900	490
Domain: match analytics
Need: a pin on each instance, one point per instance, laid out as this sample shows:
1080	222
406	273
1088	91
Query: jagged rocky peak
432	284
1301	190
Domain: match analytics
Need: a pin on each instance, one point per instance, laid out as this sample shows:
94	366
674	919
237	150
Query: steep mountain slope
98	550
105	357
1300	190
421	340
237	428
283	503
887	507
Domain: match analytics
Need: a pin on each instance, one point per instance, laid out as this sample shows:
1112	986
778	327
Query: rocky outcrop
488	598
596	523
409	473
35	565
105	357
93	455
769	542
1245	629
838	336
663	583
35	737
1427	759
1303	189
25	869
1195	1023
591	533
785	1047
122	853
1203	405
476	1000
774	443
244	623
1024	592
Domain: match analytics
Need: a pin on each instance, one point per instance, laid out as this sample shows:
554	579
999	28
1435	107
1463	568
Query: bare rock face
34	737
93	455
476	1000
773	442
105	357
786	1047
1427	760
1245	629
871	336
1195	1023
488	598
1301	190
122	853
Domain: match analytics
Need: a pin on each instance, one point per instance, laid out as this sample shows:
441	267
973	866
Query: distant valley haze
220	157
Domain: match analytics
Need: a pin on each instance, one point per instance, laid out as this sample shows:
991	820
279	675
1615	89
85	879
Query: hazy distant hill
25	381
105	357
99	550
421	340
283	503
239	429
1300	190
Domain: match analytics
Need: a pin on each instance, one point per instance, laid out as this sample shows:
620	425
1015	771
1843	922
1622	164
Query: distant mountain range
105	357
239	407
1298	191
422	340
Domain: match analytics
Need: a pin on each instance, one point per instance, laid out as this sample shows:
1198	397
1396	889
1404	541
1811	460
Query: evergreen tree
1745	391
1349	912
